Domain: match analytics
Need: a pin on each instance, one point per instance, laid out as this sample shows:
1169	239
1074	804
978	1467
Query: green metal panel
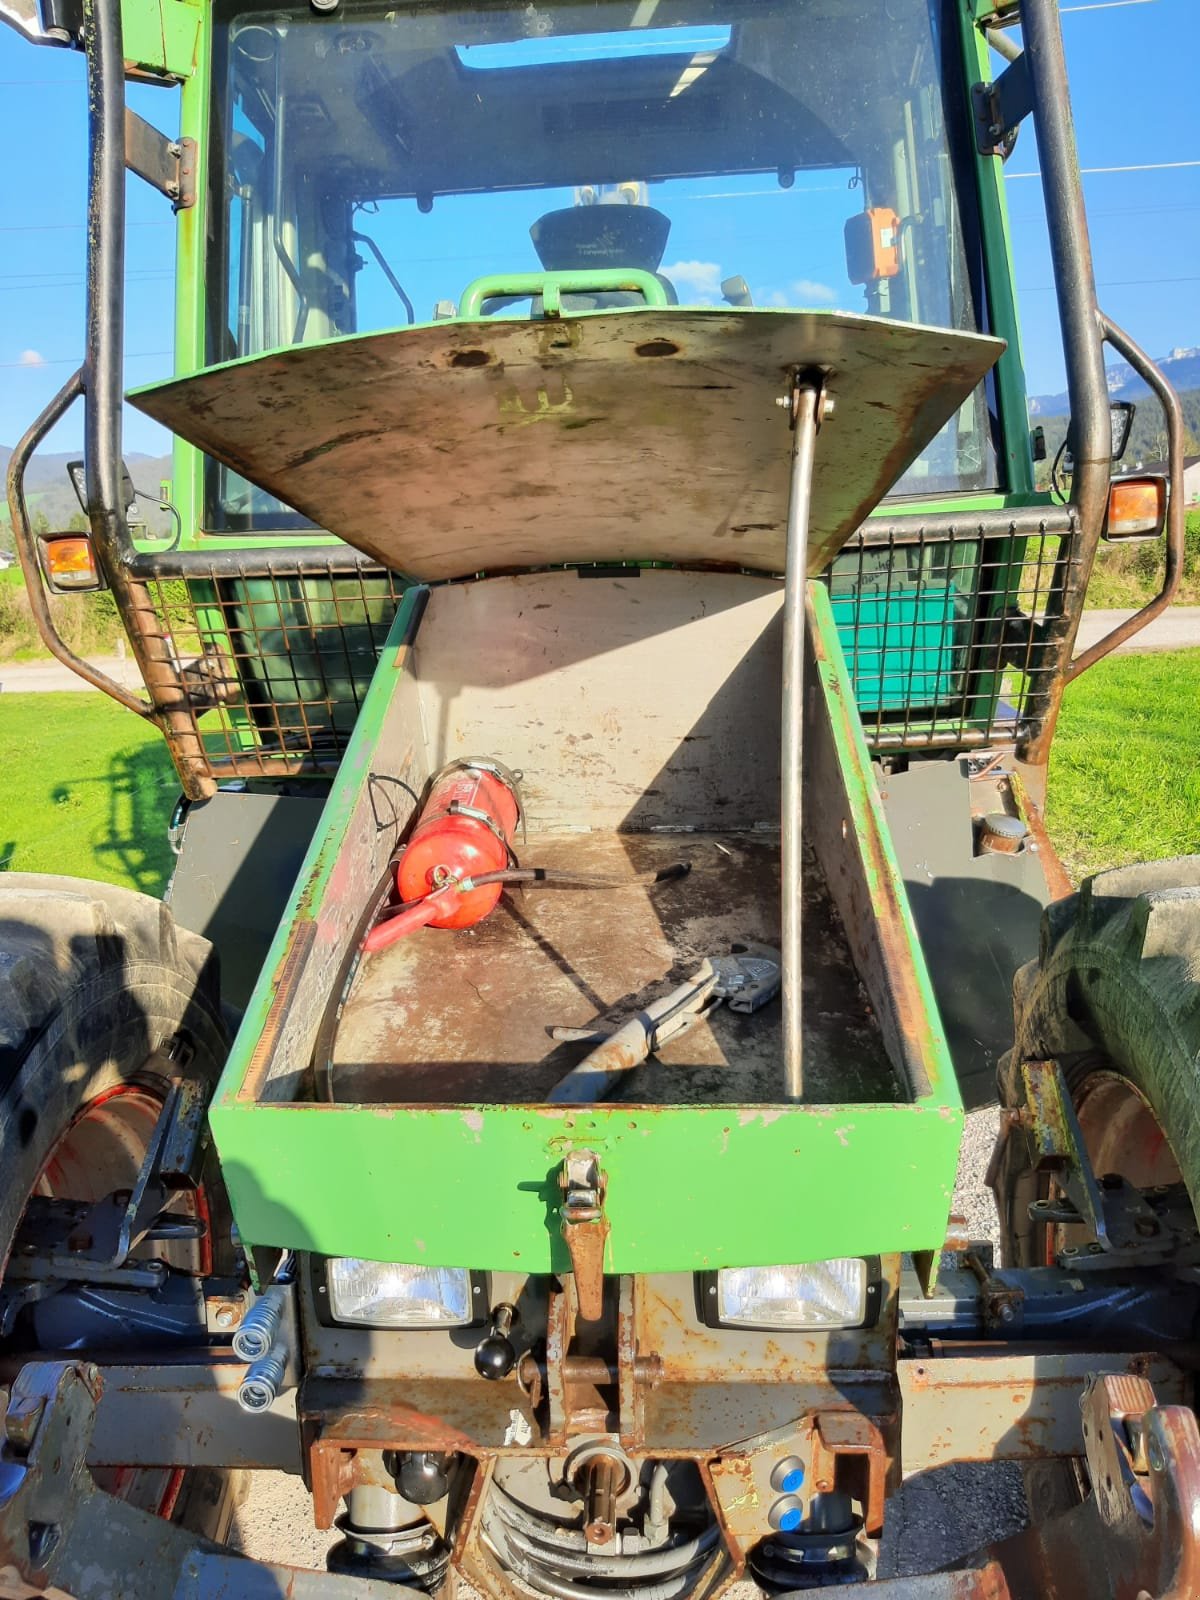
162	36
475	1185
910	642
999	271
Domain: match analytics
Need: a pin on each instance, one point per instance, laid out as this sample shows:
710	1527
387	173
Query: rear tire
96	983
1114	998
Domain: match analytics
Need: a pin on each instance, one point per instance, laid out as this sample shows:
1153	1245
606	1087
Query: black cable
164	505
580	880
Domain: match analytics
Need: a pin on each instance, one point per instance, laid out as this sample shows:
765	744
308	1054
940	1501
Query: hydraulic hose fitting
264	1379
253	1340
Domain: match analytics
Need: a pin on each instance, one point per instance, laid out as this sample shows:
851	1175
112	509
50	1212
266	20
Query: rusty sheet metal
650	434
976	1406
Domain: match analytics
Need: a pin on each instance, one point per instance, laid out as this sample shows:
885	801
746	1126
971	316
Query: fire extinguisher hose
417	913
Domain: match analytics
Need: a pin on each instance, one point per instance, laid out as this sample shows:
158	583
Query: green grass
87	790
1124	773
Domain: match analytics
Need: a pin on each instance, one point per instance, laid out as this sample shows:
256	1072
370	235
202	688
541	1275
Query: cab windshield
369	164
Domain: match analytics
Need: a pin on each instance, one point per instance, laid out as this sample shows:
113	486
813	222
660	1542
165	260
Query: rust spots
471	358
657	347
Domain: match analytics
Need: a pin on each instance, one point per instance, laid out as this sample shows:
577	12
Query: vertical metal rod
804	403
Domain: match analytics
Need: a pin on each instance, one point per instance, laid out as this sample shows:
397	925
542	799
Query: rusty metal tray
461	447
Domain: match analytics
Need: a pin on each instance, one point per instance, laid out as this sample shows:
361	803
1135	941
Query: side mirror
1120	420
1120	424
77	472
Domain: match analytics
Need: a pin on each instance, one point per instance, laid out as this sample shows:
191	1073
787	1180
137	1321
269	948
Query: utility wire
64	227
1145	166
75	361
1111	283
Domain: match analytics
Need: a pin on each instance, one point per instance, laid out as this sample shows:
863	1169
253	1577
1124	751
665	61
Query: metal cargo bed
642	707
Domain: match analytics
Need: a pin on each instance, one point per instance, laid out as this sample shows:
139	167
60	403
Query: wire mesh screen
943	631
277	659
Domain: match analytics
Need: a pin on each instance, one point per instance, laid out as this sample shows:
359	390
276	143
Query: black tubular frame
177	695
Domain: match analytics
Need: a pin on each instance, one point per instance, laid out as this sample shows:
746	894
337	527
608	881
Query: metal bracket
1057	1145
1000	108
585	1227
60	1534
168	165
1127	1228
77	1242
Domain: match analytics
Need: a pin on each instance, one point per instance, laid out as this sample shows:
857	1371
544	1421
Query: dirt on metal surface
461	447
463	1015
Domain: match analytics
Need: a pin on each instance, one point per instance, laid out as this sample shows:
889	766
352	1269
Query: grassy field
1125	767
88	789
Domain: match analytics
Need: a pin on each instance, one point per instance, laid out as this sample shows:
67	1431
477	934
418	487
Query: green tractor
611	650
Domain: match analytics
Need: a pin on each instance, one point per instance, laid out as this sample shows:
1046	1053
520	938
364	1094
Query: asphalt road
1177	629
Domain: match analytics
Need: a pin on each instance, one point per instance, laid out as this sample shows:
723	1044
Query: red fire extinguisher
465	831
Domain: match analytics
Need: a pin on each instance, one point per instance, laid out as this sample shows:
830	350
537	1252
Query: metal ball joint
495	1354
421	1476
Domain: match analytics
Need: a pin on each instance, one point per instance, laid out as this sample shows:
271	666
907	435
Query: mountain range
48	488
1181	368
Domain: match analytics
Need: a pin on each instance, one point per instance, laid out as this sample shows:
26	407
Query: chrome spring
555	1560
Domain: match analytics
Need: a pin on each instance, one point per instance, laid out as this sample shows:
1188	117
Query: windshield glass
369	164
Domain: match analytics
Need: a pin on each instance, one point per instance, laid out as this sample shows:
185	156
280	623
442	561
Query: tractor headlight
389	1294
842	1293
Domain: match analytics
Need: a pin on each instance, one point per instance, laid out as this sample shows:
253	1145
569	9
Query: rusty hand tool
745	980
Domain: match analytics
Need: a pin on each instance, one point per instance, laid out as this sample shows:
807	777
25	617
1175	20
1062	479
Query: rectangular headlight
841	1293
388	1294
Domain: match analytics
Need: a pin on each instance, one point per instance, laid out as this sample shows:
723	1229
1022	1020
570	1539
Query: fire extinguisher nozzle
408	919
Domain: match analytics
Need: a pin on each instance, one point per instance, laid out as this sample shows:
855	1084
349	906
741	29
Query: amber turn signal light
1137	508
69	562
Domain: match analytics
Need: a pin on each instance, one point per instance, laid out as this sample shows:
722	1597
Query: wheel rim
1121	1133
1122	1136
102	1151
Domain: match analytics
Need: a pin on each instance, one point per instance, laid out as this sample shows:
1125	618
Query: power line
1112	283
74	361
77	283
1145	166
1104	5
64	227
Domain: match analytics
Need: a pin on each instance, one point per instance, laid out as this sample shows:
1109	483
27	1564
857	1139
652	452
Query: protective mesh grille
279	659
942	631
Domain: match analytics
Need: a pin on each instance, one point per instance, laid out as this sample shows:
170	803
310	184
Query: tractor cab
610	653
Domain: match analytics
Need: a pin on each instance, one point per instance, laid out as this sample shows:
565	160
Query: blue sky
1133	74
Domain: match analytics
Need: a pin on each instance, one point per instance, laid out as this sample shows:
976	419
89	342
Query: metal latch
585	1227
1000	108
168	165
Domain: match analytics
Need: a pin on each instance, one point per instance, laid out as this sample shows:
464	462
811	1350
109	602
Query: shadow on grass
127	829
